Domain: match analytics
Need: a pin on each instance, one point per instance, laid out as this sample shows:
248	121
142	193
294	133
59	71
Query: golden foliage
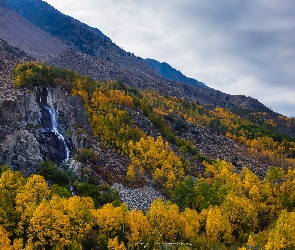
5	243
282	236
157	158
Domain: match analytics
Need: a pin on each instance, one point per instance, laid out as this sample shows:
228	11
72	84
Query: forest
221	207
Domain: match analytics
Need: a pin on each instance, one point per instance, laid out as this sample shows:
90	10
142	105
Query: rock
20	150
22	110
139	199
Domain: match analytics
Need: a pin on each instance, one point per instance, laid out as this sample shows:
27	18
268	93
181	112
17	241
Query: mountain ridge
21	33
83	38
167	71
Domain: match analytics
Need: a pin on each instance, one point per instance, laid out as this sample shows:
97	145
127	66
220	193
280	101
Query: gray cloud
236	46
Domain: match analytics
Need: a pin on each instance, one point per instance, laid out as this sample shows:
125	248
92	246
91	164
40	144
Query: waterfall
54	129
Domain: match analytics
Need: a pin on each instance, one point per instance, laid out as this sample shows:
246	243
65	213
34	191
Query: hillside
19	32
61	26
222	127
100	150
146	146
92	42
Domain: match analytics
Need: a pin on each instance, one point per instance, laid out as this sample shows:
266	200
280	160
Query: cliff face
25	122
26	133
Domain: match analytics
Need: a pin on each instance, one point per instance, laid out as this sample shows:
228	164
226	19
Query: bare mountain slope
21	33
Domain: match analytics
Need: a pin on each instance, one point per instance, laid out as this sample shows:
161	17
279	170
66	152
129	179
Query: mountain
67	29
19	32
91	126
64	42
93	42
165	70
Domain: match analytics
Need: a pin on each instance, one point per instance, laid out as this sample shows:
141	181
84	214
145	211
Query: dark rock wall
23	141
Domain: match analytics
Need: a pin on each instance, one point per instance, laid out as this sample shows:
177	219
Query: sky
236	46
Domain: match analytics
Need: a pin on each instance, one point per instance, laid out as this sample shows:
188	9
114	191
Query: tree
50	226
89	190
242	214
60	222
191	224
53	174
138	229
185	194
287	190
28	199
109	220
218	227
5	243
282	236
10	184
113	244
86	155
156	157
166	221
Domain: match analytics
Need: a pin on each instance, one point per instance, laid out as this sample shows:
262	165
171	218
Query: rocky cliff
22	117
26	134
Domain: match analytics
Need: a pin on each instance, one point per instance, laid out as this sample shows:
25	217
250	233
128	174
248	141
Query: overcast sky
236	46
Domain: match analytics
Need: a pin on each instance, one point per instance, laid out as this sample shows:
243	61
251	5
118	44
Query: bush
4	169
107	195
86	155
53	174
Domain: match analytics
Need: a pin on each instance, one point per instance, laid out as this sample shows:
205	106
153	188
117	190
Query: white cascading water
54	129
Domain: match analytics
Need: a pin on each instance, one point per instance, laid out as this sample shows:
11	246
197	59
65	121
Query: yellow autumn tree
79	212
120	97
166	221
191	223
28	199
50	226
249	179
61	222
113	244
5	243
156	157
218	227
138	229
109	220
287	190
10	184
282	236
242	214
223	173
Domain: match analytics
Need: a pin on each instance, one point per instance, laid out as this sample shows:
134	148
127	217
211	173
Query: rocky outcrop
20	151
25	135
19	148
63	119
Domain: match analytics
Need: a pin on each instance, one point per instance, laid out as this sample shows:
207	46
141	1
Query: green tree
53	174
185	194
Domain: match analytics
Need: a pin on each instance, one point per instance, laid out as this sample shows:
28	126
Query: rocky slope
21	33
26	130
21	116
